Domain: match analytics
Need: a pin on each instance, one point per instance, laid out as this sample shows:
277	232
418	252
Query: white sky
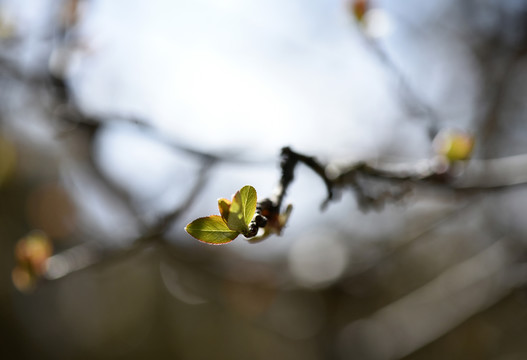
220	76
251	76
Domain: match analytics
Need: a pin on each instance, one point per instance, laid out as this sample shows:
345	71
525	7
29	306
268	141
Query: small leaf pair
454	144
31	254
358	9
234	220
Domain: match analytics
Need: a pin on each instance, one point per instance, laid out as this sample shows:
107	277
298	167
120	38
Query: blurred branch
442	304
462	176
163	224
493	94
289	160
437	223
414	104
494	174
89	254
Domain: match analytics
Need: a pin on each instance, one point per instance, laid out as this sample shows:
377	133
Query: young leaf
212	230
224	206
454	144
242	209
359	8
284	217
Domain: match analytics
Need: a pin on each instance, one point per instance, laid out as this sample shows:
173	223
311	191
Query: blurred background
122	121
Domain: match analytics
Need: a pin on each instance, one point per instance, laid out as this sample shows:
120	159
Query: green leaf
211	230
224	206
242	209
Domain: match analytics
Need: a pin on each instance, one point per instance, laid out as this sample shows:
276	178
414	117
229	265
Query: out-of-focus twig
414	104
163	224
289	160
463	176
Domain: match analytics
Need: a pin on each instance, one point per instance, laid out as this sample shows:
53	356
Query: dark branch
289	160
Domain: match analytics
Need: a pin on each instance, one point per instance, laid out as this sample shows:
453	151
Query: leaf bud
253	230
260	220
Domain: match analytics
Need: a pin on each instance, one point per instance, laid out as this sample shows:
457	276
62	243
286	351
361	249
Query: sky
246	77
219	75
